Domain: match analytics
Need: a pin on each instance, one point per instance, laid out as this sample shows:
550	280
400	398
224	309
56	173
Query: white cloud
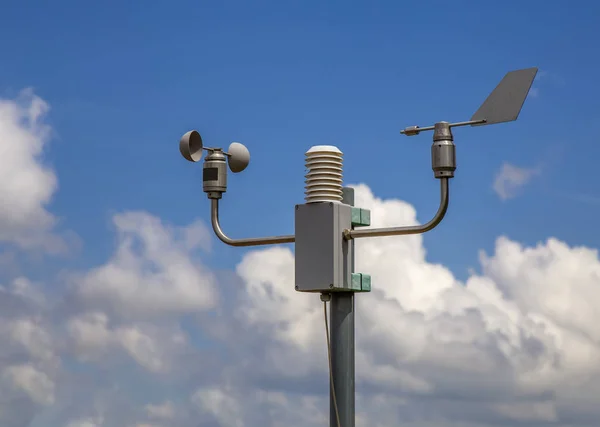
152	272
30	333
219	404
95	340
86	422
90	334
542	411
23	287
26	183
30	380
235	408
165	410
141	347
511	179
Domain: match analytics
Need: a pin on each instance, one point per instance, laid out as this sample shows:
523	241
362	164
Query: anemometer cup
239	157
190	146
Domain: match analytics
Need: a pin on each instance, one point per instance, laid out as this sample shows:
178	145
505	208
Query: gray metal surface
342	347
214	174
255	241
322	255
239	157
415	130
506	100
413	229
190	146
443	151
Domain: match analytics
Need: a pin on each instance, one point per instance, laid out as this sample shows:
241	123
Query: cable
324	298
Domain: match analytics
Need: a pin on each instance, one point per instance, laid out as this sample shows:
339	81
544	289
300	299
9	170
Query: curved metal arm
413	229
257	241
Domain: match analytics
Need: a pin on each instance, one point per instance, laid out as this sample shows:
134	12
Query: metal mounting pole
342	347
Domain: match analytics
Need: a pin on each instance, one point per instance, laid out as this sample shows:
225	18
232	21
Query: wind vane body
328	222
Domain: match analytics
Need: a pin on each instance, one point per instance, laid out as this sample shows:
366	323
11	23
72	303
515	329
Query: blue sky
124	81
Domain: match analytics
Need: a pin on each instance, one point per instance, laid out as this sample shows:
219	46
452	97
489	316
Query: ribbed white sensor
324	176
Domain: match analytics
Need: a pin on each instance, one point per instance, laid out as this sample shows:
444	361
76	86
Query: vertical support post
342	347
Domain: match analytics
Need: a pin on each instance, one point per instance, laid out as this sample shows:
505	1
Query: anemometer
328	222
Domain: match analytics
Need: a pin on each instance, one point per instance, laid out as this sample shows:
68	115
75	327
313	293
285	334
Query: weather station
327	223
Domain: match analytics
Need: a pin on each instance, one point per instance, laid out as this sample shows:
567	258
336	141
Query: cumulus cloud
30	380
26	183
152	271
93	340
29	364
233	408
86	422
511	179
165	410
31	335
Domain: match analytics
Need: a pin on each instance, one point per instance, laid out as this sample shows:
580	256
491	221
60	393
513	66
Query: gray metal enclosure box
323	256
